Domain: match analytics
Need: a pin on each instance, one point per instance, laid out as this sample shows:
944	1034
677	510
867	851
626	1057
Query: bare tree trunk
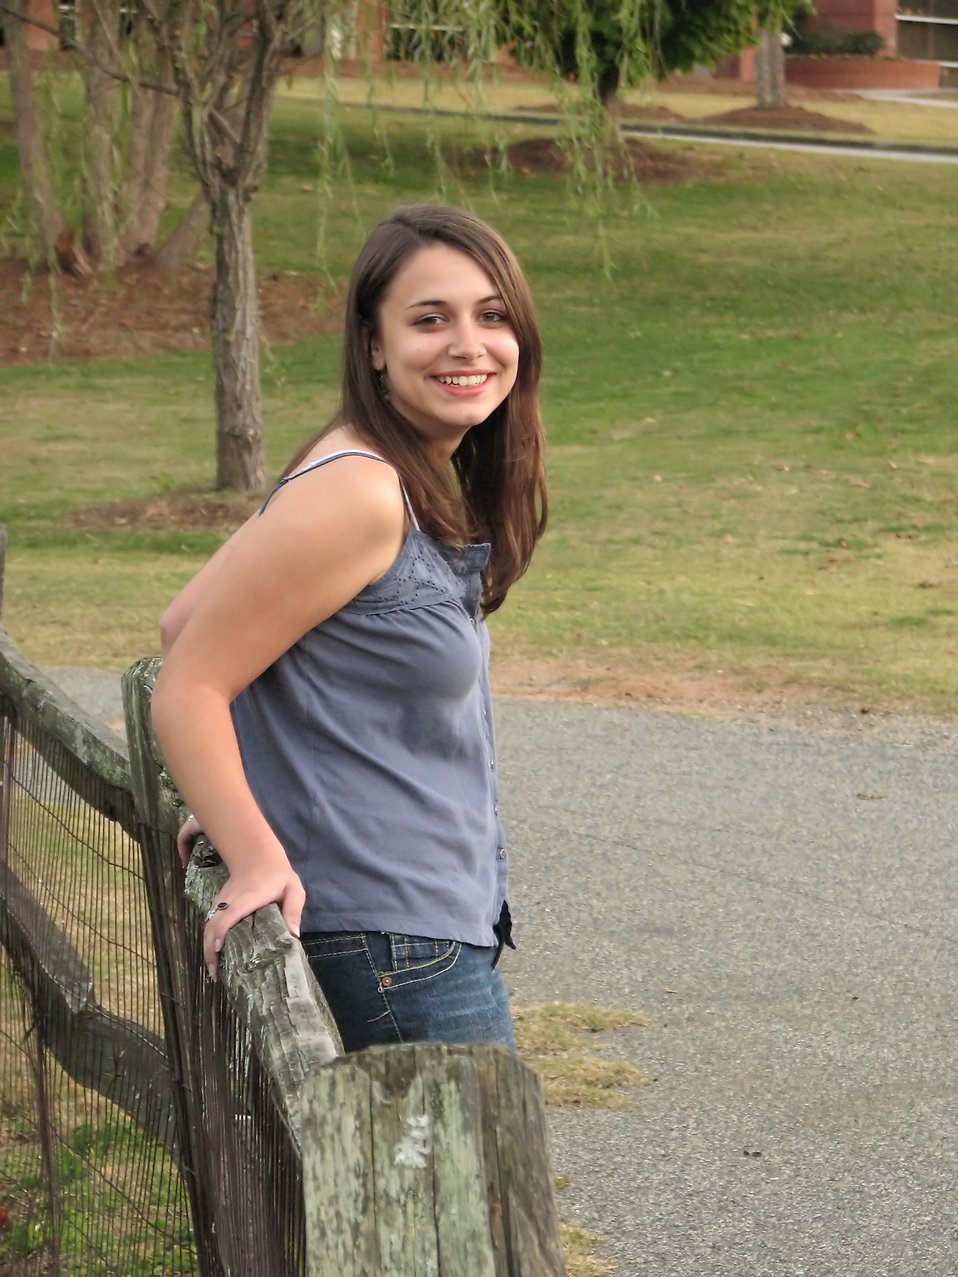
99	214
146	171
607	88
226	60
235	321
45	215
770	68
179	247
609	134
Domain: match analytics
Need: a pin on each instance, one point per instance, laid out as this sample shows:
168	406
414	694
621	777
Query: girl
324	702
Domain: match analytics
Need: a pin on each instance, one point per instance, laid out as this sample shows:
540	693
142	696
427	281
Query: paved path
782	903
947	98
861	148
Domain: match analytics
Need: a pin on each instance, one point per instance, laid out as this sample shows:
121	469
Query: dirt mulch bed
783	119
649	163
789	119
141	312
176	511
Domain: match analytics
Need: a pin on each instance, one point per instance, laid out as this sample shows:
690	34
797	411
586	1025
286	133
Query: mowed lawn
750	401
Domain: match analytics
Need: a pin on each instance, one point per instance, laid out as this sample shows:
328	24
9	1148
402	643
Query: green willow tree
610	45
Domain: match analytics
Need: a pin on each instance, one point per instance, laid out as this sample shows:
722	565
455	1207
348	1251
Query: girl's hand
189	832
242	894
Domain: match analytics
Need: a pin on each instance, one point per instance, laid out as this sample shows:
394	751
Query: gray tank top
369	747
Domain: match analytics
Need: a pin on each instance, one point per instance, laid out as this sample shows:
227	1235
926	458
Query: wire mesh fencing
89	1174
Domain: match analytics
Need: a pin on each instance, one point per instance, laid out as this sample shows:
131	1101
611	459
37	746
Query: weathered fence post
423	1160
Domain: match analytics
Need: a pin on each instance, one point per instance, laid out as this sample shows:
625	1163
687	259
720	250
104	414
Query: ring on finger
221	904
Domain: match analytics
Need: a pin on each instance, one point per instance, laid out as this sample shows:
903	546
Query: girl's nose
465	341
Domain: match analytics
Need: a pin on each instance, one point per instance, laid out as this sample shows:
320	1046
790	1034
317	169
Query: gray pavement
860	148
781	901
913	97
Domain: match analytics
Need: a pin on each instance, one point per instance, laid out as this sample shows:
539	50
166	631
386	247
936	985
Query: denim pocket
333	944
413	958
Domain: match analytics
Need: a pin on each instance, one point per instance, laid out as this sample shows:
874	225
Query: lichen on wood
426	1159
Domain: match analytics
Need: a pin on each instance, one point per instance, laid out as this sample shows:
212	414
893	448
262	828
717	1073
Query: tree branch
86	54
108	30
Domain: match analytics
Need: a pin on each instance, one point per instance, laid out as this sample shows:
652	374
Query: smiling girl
324	700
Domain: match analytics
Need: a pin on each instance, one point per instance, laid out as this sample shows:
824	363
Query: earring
383	388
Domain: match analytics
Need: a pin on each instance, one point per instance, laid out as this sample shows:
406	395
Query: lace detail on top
427	571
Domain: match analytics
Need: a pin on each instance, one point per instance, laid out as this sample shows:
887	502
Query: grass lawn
887	121
751	421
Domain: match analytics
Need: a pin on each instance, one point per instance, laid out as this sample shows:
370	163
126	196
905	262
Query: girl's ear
376	357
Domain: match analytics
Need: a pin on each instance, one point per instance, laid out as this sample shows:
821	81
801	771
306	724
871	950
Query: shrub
825	40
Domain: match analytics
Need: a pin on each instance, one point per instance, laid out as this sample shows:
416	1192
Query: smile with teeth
474	379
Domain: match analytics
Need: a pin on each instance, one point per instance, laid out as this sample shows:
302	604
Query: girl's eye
426	321
494	317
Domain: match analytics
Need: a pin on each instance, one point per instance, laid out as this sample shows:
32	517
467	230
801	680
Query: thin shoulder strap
334	456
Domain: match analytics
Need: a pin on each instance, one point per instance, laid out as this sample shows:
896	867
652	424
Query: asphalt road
781	902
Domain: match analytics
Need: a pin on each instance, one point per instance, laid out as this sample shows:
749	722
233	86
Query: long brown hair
496	491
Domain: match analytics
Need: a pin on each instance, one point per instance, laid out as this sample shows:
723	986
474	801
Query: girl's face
444	345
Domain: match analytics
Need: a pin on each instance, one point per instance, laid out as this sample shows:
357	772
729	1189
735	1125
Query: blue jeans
384	988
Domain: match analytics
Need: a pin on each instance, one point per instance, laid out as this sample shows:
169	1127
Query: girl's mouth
465	381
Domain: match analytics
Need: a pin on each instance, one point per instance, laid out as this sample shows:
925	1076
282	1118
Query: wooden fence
90	1159
153	1122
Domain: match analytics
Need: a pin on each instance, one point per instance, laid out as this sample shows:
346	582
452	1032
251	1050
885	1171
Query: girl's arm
320	541
181	609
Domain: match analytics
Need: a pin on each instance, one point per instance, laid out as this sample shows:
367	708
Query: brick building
920	30
862	15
